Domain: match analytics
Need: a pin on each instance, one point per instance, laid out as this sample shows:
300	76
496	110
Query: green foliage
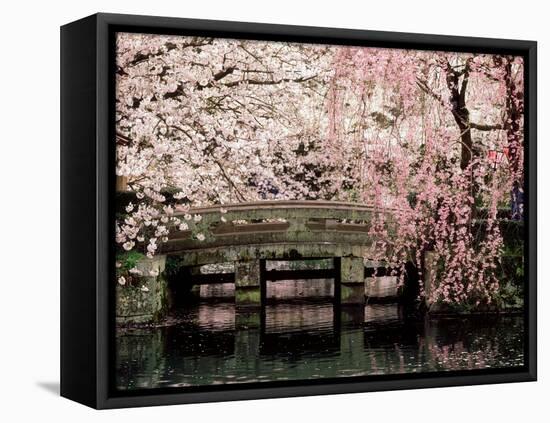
509	295
511	270
512	250
129	260
520	271
126	261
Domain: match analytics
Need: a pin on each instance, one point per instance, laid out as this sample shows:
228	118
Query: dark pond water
212	344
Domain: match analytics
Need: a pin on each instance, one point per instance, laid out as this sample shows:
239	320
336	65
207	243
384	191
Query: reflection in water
297	289
280	290
214	345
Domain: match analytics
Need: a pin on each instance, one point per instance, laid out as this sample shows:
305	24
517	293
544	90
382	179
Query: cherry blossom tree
216	121
429	119
204	121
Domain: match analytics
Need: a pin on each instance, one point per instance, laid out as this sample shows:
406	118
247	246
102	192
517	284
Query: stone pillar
352	280
248	284
147	300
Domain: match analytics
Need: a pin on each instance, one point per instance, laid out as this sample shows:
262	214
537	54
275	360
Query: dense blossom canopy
204	121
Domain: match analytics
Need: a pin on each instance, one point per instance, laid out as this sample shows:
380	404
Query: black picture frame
87	191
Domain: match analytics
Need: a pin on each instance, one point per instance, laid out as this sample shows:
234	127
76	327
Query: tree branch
141	57
224	72
257	82
464	85
423	85
229	180
122	139
486	127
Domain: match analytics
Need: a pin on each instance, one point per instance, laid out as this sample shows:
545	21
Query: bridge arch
251	233
248	234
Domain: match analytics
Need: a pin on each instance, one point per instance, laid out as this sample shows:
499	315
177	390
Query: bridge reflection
213	344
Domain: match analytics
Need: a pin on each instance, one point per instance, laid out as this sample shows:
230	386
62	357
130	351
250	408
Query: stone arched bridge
280	230
248	234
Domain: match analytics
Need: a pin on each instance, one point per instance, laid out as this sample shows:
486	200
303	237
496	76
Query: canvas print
290	212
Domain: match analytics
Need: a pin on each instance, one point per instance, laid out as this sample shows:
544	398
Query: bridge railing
276	221
285	209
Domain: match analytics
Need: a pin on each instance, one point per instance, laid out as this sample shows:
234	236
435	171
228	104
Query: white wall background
29	209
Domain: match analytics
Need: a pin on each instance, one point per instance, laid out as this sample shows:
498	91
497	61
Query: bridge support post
248	283
352	280
148	300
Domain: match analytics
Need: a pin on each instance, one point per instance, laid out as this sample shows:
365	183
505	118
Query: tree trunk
460	112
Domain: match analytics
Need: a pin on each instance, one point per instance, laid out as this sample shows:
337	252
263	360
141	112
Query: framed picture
256	211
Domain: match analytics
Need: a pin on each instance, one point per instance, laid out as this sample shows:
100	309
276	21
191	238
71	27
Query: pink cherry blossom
220	121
